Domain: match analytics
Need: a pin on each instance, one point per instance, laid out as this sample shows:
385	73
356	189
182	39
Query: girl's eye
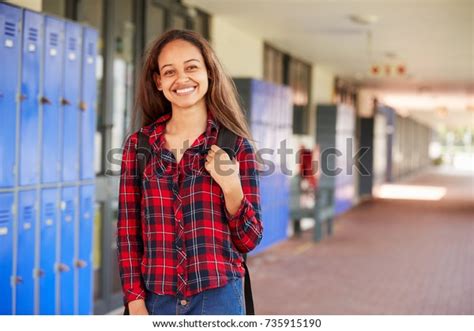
192	67
168	72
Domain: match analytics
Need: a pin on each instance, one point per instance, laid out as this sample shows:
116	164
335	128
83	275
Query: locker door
30	79
52	92
66	260
88	103
71	96
48	225
10	47
84	263
26	253
6	250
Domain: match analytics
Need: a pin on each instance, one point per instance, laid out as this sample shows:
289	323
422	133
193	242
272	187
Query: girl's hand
137	307
222	169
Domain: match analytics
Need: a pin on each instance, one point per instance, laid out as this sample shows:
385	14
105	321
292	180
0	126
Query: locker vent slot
33	34
49	209
69	207
10	29
72	44
28	213
53	39
4	216
90	49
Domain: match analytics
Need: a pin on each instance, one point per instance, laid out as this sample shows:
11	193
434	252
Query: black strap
143	152
249	308
226	140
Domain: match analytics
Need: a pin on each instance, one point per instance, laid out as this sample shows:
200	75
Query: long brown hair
221	96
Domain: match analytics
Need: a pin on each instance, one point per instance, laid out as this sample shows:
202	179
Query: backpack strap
227	140
143	152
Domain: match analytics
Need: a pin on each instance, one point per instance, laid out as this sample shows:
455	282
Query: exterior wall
30	4
248	60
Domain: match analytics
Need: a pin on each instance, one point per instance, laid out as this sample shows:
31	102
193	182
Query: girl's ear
157	80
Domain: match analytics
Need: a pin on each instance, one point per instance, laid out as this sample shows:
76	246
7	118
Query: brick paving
385	257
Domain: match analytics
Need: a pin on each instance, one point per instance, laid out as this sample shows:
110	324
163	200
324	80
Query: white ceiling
434	39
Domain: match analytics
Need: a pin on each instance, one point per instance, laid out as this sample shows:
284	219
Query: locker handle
18	280
82	106
45	101
65	102
81	263
63	267
40	273
22	97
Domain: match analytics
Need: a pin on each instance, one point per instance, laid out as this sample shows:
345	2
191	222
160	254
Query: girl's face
183	74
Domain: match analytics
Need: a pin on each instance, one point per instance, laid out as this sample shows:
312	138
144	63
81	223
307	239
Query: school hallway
385	257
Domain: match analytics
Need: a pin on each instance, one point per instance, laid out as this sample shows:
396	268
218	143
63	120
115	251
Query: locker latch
82	106
65	102
80	263
45	101
39	273
17	280
63	267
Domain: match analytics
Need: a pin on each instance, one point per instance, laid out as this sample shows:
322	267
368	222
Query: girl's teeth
186	90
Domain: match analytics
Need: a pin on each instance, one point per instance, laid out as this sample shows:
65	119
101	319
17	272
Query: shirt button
183	302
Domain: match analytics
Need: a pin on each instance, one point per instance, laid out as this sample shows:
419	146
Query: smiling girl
185	222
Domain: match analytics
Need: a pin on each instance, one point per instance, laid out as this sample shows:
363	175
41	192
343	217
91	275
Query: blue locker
66	256
88	103
48	238
10	47
52	93
26	253
30	81
6	249
71	99
257	101
85	262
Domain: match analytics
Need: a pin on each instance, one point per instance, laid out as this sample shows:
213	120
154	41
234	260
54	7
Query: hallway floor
385	257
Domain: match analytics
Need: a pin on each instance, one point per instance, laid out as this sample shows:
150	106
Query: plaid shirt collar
156	132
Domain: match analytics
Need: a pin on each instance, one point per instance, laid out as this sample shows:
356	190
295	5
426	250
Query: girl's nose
182	77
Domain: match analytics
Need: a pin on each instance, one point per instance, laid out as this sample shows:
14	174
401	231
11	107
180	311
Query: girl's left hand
222	169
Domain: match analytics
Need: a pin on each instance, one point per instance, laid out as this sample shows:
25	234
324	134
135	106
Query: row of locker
335	133
46	251
47	99
345	193
411	144
275	209
401	146
269	112
269	109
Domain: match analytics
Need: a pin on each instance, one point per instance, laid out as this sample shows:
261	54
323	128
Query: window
155	21
281	68
201	23
274	65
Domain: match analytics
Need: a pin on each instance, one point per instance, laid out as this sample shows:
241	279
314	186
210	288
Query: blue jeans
226	300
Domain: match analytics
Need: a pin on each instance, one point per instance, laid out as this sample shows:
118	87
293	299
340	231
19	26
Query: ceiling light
364	19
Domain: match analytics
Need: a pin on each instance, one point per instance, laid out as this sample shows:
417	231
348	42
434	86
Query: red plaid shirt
174	234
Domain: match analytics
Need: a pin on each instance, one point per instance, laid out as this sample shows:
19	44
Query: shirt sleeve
246	225
129	234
